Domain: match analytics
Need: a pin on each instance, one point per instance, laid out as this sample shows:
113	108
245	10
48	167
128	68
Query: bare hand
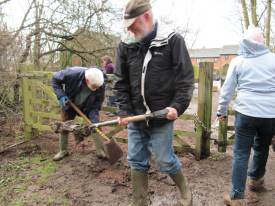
172	113
222	118
122	121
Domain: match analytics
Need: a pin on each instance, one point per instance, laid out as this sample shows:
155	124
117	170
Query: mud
82	179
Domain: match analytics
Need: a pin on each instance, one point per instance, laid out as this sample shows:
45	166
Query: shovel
111	148
157	114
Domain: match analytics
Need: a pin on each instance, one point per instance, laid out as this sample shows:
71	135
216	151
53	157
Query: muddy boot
63	145
140	186
256	185
182	184
233	202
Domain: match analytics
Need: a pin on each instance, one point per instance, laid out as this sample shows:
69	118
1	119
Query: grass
17	176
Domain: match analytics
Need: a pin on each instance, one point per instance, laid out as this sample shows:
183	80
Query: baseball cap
133	9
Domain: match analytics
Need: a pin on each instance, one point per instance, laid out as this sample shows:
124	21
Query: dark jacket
168	76
69	82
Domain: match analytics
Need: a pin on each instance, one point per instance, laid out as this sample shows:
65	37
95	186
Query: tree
268	22
48	25
258	10
186	31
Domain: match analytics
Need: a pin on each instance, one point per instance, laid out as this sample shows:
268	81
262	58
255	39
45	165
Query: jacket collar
162	36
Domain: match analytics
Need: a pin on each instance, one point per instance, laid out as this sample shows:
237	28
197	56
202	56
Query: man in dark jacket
153	71
85	88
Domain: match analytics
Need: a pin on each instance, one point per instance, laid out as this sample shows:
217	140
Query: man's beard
140	36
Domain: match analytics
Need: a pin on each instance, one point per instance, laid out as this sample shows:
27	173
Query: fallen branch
14	145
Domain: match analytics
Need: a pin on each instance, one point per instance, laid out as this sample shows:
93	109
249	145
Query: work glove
64	101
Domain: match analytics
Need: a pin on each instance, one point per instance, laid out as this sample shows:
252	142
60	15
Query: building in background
220	56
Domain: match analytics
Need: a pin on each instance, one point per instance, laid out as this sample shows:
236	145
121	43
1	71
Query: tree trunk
37	32
253	4
268	22
245	14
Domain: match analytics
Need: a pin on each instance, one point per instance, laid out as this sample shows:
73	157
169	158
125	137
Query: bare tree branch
3	2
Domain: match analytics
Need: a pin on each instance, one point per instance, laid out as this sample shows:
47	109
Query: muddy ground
29	177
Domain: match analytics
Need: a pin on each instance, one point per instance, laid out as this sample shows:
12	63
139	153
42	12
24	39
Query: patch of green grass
66	201
47	168
20	188
17	176
217	156
18	203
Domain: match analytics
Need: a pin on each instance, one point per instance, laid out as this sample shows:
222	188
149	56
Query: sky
215	20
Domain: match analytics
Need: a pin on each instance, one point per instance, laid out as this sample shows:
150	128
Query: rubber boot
63	145
182	184
256	185
233	202
140	188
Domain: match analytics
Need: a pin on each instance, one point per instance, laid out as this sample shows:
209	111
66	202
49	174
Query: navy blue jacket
69	82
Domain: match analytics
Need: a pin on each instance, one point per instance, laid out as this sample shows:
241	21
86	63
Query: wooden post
26	108
203	123
222	135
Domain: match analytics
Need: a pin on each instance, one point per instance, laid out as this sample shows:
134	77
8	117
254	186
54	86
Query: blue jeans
155	142
250	132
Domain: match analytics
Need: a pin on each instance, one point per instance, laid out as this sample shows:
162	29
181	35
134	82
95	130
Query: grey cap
133	9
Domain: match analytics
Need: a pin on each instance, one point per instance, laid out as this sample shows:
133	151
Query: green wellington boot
63	145
182	184
140	186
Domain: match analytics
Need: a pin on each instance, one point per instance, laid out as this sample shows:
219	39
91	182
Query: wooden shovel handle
135	118
87	119
80	112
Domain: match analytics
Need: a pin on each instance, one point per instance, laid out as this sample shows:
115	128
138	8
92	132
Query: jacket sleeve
184	74
122	84
228	88
58	80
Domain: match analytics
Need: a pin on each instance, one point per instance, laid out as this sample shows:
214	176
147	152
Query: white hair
94	76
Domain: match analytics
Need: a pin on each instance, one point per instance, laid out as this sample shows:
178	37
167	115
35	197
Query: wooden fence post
222	135
26	108
203	122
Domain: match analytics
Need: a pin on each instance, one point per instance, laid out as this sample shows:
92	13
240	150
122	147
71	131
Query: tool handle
80	112
106	123
136	118
87	119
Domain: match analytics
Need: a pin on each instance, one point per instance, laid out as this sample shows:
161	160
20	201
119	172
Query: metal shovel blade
113	151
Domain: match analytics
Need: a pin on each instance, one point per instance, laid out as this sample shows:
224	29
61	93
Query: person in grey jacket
252	75
153	72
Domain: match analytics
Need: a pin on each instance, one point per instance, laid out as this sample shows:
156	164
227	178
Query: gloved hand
63	101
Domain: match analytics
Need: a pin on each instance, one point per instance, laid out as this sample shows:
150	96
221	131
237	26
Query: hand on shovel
172	113
122	121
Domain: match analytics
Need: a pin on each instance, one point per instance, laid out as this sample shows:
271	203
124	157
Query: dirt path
28	176
82	179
